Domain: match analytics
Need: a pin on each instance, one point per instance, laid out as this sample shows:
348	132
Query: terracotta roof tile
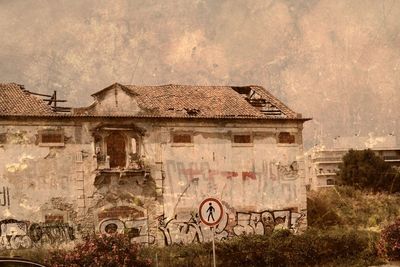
181	101
15	101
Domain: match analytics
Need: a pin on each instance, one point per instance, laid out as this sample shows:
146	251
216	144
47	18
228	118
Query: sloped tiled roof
15	101
164	101
203	101
181	101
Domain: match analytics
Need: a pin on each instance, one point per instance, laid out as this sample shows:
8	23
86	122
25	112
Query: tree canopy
364	169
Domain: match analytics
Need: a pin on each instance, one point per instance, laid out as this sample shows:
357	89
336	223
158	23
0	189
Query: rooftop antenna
134	70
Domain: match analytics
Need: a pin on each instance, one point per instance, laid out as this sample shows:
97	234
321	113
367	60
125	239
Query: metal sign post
211	212
213	245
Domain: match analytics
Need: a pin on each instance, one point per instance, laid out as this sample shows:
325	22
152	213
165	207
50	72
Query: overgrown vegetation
344	206
389	243
107	251
333	247
282	248
362	169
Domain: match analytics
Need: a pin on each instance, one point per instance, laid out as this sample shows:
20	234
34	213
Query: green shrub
107	251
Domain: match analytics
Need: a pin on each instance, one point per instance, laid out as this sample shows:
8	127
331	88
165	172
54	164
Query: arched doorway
116	150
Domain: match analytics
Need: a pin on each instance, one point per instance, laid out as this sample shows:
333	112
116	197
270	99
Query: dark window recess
242	139
111	228
286	138
182	138
133	232
3	138
330	182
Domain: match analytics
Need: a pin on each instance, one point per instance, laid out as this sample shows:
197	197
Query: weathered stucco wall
39	184
53	194
261	184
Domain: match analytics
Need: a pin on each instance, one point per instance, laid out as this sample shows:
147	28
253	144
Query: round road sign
211	211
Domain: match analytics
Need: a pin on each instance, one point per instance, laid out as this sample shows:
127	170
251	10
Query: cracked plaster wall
34	174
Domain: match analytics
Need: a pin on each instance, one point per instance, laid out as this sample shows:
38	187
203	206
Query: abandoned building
140	159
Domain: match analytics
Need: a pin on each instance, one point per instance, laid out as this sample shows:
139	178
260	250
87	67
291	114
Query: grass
352	208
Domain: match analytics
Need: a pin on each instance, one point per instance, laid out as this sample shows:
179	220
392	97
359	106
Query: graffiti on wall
128	220
189	229
271	178
15	234
183	230
265	222
136	229
5	197
273	170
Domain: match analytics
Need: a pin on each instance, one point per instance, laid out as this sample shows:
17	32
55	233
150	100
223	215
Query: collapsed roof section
15	100
187	101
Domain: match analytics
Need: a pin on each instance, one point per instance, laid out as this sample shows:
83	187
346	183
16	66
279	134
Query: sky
337	62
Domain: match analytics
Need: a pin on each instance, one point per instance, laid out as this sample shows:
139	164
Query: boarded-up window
242	139
51	218
182	138
286	138
51	138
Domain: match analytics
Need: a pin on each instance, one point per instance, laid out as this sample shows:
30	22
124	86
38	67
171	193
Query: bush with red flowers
108	251
389	243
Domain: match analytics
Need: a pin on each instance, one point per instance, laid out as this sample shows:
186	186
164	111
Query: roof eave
58	115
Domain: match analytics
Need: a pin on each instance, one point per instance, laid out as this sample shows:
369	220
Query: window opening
330	182
134	144
242	139
182	138
286	138
116	150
